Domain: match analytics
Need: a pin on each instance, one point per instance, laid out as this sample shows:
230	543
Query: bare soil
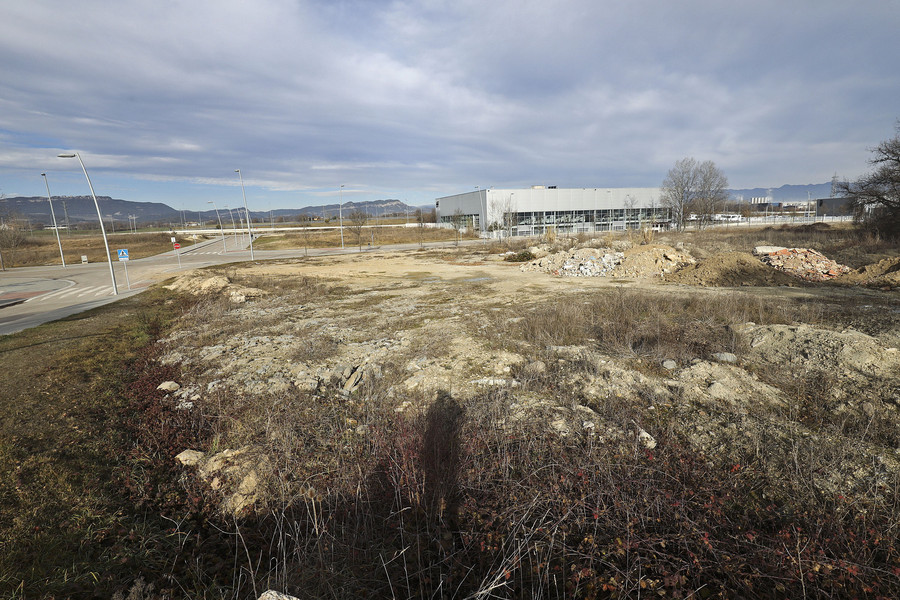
391	423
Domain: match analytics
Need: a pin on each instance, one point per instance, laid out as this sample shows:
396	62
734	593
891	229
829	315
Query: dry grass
371	236
67	529
843	242
634	323
42	249
455	498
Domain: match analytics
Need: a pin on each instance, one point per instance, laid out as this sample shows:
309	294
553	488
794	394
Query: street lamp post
112	273
247	211
233	226
341	215
53	216
224	250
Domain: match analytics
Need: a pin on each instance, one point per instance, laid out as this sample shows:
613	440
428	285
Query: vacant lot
447	424
41	247
355	237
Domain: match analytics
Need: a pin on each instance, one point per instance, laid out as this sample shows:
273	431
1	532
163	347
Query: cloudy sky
164	99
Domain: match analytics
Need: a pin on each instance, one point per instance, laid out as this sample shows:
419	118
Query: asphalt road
30	296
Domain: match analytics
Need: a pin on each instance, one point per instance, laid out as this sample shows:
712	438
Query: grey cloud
431	93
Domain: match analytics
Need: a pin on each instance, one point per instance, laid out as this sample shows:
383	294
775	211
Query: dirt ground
308	373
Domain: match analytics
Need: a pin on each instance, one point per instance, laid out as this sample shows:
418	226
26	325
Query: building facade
535	210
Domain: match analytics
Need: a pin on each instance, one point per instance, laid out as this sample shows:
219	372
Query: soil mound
198	284
845	354
884	273
731	269
652	261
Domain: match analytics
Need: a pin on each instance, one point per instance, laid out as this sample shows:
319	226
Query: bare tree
875	198
458	220
502	214
358	219
694	187
12	236
306	234
630	203
713	192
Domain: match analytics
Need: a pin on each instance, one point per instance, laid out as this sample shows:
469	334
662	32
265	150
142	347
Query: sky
164	99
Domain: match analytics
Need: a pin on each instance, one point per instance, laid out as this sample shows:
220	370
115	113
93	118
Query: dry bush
449	504
626	322
452	501
294	288
521	256
845	243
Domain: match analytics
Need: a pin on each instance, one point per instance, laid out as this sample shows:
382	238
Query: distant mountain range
785	193
80	209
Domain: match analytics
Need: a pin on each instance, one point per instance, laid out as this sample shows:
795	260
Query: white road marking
54	292
92	290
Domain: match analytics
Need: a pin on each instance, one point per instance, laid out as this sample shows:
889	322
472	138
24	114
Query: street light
224	250
233	226
53	215
112	274
246	210
341	215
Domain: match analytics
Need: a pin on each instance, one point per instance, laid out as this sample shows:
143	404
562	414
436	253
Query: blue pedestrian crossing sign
123	253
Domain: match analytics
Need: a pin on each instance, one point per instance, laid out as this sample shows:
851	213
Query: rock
645	439
353	380
245	494
307	384
273	595
494	381
536	368
168	386
762	250
560	426
669	365
724	357
189	458
235	473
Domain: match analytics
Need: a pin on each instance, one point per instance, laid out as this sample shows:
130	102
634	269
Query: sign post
176	245
123	258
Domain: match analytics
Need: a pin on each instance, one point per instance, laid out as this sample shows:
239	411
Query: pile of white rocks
583	262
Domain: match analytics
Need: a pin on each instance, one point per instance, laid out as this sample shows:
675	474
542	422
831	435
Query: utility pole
341	215
66	211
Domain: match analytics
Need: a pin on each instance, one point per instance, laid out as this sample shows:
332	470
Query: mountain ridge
80	209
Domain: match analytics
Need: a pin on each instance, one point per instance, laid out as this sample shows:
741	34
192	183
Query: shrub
521	256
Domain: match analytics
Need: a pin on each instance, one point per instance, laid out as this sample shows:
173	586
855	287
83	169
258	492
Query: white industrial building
533	211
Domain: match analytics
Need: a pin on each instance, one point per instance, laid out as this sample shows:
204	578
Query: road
30	296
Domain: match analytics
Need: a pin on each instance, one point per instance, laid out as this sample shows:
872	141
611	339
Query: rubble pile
594	264
803	263
637	261
583	262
